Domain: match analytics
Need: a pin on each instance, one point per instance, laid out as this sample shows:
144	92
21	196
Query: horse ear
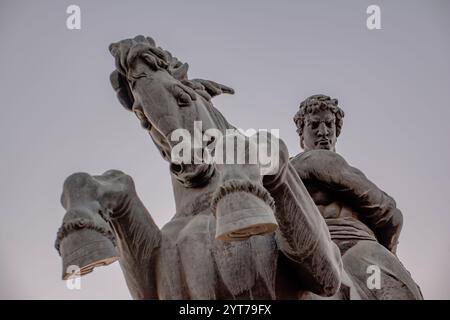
120	85
140	38
113	48
214	88
151	41
180	73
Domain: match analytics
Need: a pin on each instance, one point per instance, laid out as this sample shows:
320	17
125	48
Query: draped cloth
348	228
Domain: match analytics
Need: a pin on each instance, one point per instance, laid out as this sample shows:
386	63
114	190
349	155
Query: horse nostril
176	167
146	124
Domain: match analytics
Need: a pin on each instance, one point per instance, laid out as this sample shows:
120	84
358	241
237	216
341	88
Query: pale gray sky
59	114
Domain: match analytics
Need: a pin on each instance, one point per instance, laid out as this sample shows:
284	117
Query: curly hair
317	103
127	51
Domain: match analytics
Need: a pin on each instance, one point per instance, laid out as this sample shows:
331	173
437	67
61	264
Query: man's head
319	121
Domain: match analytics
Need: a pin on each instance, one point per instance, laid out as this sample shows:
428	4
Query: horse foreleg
250	202
243	207
106	221
303	236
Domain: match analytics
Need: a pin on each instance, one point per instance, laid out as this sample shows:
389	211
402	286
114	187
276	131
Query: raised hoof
241	215
86	249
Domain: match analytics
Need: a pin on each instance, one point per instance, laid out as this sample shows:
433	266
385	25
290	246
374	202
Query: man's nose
322	131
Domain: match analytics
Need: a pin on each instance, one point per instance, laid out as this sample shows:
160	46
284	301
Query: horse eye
140	75
184	99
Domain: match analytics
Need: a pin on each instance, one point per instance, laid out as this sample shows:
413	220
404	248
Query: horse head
154	85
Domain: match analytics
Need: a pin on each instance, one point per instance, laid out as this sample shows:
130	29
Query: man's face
319	131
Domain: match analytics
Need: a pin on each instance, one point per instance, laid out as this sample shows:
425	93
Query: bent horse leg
243	207
105	221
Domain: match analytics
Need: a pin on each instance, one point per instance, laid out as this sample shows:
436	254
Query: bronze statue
363	220
221	243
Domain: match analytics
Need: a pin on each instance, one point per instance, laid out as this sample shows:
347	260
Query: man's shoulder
318	159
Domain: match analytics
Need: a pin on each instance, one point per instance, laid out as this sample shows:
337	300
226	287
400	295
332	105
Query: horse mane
126	52
221	122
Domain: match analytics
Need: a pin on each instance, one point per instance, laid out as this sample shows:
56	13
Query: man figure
362	219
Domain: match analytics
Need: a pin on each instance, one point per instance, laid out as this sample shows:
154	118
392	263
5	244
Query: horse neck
216	118
192	201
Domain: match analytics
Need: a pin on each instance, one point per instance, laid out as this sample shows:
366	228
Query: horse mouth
192	175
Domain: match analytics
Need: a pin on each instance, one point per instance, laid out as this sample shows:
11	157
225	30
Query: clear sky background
59	115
